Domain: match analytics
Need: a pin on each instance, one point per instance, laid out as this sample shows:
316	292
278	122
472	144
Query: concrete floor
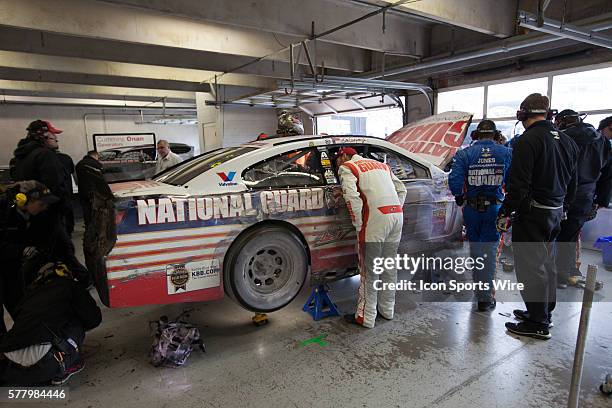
430	355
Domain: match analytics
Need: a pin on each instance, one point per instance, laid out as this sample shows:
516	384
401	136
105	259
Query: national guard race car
256	220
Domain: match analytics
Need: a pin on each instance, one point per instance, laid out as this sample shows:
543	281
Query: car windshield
107	155
185	172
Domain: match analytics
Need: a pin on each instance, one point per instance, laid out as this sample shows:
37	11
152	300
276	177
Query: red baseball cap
42	126
52	128
346	150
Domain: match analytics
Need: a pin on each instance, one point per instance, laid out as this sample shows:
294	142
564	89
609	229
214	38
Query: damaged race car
256	221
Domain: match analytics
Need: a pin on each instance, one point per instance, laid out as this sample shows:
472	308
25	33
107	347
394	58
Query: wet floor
441	354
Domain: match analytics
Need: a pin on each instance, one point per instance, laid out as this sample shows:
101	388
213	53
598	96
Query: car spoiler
435	138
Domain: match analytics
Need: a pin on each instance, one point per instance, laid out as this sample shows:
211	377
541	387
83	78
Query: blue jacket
480	169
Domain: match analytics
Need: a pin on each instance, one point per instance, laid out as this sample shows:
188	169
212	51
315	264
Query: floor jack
260	319
319	305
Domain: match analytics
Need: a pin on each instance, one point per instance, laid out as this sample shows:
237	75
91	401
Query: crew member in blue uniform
477	177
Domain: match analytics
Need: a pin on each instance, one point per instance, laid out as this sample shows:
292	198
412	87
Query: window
379	123
107	155
299	168
463	100
134	155
595	119
403	168
503	100
586	92
190	169
582	91
508	129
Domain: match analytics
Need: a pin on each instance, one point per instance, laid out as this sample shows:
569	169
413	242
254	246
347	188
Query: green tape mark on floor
318	340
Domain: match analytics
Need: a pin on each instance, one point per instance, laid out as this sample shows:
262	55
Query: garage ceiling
152	49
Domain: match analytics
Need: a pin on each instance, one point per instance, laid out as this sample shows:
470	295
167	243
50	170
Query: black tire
265	268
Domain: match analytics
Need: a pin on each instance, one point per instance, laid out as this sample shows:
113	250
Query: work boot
524	316
487	305
529	330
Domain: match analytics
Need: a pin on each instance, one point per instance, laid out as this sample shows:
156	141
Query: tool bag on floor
174	342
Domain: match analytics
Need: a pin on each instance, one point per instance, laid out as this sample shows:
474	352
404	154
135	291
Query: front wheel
265	268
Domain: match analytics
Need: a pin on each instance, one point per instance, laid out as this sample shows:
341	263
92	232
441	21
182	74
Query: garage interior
213	74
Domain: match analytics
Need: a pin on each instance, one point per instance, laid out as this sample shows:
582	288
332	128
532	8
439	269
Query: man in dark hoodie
44	344
90	180
36	159
594	188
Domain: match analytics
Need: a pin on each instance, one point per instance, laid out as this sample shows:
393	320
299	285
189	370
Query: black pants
86	206
48	367
566	251
12	287
533	236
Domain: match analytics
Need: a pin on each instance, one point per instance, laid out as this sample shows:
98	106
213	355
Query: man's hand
460	200
504	219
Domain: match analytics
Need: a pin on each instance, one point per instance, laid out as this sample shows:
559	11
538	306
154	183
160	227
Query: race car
256	221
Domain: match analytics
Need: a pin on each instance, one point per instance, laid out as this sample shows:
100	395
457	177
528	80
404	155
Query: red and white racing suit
374	197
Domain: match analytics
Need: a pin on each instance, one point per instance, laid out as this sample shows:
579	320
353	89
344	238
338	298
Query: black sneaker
487	306
529	330
524	316
70	371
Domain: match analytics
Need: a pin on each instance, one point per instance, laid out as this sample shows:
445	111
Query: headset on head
523	114
476	132
19	199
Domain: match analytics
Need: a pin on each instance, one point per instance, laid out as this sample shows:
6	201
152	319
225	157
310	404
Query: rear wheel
265	268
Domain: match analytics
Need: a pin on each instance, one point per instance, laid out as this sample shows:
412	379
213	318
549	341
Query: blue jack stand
319	305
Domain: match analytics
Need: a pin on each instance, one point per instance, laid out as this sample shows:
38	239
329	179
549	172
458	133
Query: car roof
273	141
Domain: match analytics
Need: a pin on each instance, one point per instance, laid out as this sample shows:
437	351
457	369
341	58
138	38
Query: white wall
243	124
76	139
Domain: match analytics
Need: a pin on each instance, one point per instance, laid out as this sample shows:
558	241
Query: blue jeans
484	239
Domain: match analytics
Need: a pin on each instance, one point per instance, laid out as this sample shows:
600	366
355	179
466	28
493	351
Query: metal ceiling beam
27	66
501	50
91	91
484	16
271	16
132	32
563	30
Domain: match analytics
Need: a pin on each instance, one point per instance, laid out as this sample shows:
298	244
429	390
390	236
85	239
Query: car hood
435	138
145	188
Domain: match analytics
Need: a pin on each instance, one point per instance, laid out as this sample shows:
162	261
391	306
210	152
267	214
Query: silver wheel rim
267	270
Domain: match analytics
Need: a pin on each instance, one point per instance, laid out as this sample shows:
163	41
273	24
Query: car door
420	220
326	226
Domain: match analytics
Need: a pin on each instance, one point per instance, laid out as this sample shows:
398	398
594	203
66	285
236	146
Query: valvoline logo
227	179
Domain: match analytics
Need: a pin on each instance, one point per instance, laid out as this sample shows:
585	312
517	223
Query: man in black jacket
28	231
594	189
541	182
49	327
90	180
36	159
67	210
